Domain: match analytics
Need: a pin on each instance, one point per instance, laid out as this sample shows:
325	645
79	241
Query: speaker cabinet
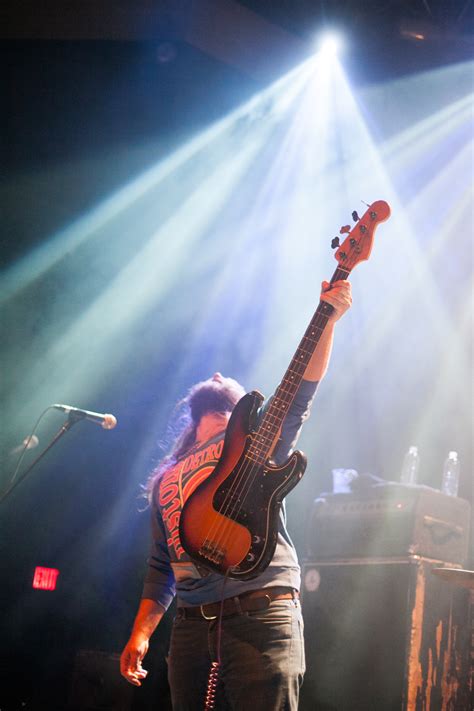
386	635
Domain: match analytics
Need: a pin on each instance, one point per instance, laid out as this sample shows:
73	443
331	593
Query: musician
261	642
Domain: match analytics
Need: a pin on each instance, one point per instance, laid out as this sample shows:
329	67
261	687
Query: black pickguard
258	507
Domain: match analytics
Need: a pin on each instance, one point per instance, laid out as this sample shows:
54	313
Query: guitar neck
355	248
266	435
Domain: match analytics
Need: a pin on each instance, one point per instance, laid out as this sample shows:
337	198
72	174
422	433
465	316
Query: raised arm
340	298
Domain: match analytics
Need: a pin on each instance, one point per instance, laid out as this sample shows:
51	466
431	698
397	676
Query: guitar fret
260	460
264	440
312	333
268	429
273	419
290	383
269	435
288	387
295	367
293	381
276	411
286	391
293	374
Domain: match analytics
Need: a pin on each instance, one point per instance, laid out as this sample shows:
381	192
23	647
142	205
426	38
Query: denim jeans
262	660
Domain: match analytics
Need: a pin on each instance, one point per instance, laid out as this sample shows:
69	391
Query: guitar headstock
358	243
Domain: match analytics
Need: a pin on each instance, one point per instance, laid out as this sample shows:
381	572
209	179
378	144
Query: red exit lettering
45	578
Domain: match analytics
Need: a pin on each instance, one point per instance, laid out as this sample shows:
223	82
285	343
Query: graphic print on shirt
179	482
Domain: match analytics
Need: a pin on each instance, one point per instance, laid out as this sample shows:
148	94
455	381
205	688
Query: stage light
248	207
329	44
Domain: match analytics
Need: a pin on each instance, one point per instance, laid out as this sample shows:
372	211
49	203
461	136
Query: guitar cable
213	678
212	686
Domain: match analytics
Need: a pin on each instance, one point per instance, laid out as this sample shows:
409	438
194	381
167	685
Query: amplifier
389	520
385	635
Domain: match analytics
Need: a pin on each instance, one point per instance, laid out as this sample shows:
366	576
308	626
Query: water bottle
410	467
450	484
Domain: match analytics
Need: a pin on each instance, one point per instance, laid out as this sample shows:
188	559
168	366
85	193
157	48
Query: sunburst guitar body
230	522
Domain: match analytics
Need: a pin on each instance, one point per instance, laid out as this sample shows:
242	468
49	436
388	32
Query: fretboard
265	438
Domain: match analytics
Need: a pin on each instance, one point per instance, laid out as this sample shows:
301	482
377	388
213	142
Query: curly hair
207	396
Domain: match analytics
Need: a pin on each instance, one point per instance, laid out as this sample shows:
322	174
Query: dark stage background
81	119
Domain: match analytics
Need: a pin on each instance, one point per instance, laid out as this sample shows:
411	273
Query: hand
339	295
131	659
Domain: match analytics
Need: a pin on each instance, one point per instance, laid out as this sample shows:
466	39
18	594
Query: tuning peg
345	230
355	216
335	242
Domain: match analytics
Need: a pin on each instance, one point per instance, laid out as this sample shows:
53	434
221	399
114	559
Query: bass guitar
229	524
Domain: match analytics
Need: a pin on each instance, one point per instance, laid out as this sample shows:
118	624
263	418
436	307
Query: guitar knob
345	229
355	216
335	243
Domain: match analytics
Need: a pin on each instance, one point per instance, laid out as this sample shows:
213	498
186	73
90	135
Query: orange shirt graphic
179	482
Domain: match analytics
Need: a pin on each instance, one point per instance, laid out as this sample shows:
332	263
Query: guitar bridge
212	553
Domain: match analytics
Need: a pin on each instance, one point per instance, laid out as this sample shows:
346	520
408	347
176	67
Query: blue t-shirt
170	570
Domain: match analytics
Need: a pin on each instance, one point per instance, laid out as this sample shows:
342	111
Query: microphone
28	443
108	422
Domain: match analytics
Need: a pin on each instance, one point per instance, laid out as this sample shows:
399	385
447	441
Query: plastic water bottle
411	464
450	484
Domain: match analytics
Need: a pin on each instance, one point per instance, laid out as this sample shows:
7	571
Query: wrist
147	619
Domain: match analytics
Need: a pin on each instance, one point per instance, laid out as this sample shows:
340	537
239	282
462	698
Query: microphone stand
72	419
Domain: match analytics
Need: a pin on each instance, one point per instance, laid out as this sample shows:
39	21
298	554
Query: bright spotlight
329	44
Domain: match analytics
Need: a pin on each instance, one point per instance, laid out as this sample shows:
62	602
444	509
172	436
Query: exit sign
45	578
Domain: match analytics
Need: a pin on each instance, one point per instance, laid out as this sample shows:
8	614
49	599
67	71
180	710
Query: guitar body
230	522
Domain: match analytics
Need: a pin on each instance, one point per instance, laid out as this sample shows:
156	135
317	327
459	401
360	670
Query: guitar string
318	322
314	323
248	471
250	468
222	528
252	471
298	367
244	469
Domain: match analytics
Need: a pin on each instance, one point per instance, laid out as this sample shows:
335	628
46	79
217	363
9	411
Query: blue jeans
262	660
